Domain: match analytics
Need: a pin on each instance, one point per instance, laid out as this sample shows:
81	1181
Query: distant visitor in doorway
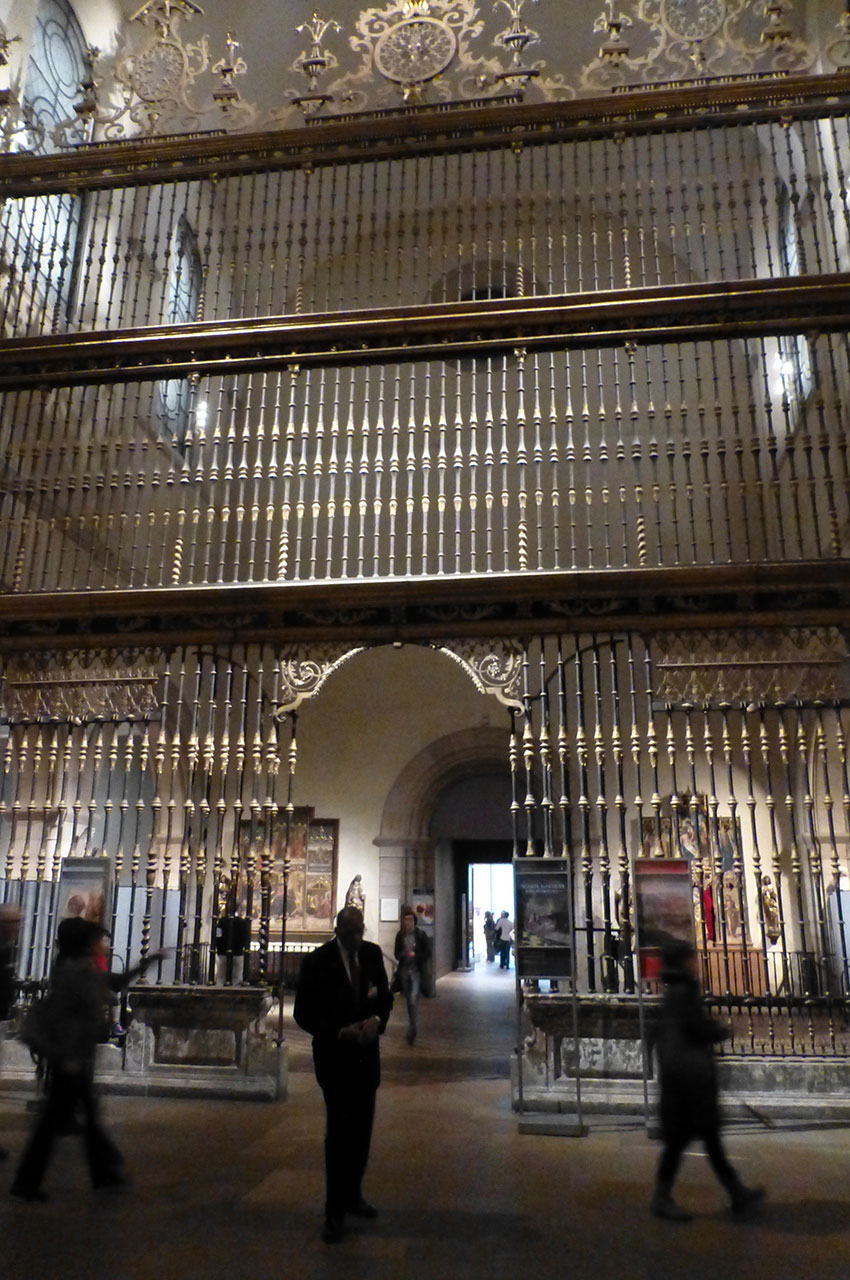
414	975
490	935
504	938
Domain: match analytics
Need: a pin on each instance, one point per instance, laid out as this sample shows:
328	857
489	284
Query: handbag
39	1029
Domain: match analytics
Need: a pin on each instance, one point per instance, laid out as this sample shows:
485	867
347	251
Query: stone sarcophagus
203	1040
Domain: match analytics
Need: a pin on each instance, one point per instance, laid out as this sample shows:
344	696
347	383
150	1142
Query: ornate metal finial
86	108
316	62
518	35
161	12
232	64
778	31
6	42
515	39
838	49
614	49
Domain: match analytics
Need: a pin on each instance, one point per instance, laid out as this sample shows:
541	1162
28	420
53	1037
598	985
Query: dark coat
684	1045
325	1002
423	947
7	981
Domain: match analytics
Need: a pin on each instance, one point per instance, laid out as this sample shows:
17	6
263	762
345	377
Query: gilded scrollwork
495	666
304	670
678	41
732	668
82	686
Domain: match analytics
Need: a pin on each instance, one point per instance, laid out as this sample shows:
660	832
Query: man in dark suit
343	1000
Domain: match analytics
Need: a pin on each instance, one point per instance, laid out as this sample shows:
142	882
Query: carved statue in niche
732	905
770	908
355	896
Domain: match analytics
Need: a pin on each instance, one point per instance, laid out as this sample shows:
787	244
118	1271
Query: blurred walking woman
76	1019
414	975
685	1041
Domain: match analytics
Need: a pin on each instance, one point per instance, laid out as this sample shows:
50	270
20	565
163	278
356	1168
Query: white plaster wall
371	718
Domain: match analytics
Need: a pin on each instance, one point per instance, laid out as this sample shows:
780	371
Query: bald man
343	1000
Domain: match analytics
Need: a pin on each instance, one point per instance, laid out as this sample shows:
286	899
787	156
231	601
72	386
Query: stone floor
232	1190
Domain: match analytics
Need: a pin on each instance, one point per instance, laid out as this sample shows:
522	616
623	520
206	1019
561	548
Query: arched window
57	65
42	231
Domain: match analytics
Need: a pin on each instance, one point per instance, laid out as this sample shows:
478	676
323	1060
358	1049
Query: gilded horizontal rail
668	313
398	610
421	131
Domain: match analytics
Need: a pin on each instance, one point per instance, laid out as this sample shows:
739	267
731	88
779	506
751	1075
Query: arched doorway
449	809
473	848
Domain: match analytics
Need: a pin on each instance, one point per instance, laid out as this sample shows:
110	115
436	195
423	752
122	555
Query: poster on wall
543	926
311	891
422	901
85	889
664	907
706	845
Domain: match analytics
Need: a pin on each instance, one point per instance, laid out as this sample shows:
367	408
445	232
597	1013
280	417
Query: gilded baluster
504	466
489	468
584	809
563	751
458	464
609	960
377	504
528	754
363	472
521	465
302	468
287	471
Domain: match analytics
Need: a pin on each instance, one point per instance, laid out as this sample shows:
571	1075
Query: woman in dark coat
413	975
684	1045
81	998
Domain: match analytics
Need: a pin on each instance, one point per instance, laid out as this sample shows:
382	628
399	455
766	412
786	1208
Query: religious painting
729	858
705	845
656	837
311	887
84	889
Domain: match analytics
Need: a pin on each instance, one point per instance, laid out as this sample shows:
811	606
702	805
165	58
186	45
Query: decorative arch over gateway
494	666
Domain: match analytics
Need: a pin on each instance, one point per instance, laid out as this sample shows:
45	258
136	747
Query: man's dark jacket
326	1001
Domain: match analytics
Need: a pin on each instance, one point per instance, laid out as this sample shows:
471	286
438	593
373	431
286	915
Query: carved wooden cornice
665	313
421	132
651	601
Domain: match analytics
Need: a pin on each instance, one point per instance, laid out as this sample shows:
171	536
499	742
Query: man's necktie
354	964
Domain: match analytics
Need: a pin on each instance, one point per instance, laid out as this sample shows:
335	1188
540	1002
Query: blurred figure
77	1019
504	936
10	924
684	1046
413	975
343	1000
490	936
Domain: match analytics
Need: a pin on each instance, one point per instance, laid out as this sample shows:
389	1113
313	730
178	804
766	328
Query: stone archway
406	849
